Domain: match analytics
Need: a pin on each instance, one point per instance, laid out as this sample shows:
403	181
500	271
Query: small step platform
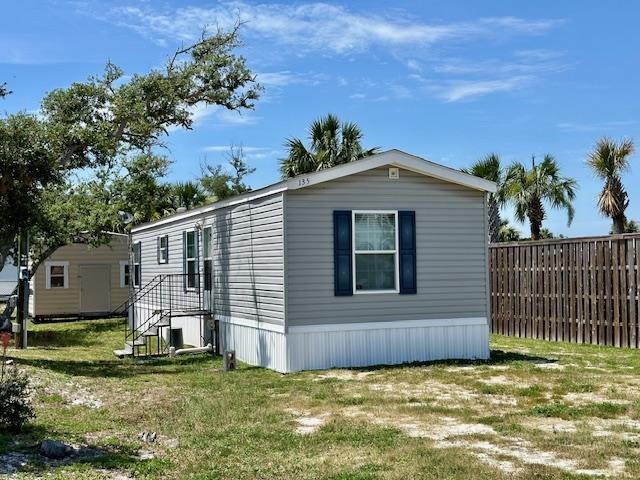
189	313
122	353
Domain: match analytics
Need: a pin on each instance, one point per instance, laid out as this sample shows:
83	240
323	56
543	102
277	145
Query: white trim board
395	158
345	327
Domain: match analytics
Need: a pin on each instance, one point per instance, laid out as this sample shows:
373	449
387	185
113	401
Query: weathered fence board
581	290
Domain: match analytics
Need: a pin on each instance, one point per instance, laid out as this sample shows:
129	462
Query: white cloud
286	77
413	64
250	152
314	26
465	89
595	127
523	63
215	115
226	148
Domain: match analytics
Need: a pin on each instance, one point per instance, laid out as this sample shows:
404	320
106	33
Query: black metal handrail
165	296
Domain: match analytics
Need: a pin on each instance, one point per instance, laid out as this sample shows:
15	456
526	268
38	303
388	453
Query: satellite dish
125	217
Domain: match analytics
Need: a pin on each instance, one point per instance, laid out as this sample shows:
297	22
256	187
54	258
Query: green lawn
536	410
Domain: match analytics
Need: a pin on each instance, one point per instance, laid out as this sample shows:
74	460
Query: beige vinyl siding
67	301
451	249
248	266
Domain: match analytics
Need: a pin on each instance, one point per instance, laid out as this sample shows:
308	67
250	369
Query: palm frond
488	168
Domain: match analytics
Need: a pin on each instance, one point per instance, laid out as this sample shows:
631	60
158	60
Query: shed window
191	259
163	249
57	274
137	257
207	238
375	255
124	273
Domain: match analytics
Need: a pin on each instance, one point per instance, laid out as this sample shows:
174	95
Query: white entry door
95	288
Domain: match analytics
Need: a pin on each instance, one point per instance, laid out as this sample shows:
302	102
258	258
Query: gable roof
396	158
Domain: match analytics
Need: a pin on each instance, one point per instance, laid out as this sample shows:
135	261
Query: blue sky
449	81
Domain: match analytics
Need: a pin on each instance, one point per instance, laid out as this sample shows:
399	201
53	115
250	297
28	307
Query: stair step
151	332
122	353
165	322
138	342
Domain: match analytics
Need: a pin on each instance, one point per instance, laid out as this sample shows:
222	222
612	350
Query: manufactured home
379	261
81	281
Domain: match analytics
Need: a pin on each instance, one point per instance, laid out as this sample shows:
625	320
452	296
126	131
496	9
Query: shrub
15	399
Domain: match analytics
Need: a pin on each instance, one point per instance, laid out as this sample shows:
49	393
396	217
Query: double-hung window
375	251
191	258
137	261
163	249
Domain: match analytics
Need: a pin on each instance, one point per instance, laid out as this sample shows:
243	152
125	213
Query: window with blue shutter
343	265
407	240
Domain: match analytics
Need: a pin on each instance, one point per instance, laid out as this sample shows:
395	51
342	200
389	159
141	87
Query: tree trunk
536	215
535	229
618	224
494	220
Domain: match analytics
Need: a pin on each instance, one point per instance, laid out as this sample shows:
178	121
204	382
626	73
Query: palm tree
609	160
630	226
188	195
529	189
490	168
331	143
508	233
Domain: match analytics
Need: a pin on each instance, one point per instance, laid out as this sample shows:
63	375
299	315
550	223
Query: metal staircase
152	309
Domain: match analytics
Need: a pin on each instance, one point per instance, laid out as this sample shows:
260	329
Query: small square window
57	274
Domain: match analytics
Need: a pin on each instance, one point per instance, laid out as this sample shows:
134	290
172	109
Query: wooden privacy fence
580	290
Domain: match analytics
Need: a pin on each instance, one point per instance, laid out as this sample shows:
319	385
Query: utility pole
22	305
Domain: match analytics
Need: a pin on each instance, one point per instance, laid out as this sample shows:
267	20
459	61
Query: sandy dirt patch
588	398
440	394
550	424
444	427
343	375
523	452
306	423
75	394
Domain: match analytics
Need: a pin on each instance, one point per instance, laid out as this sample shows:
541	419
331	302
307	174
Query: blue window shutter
342	261
407	240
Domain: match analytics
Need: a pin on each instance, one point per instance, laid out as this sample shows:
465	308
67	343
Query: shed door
95	287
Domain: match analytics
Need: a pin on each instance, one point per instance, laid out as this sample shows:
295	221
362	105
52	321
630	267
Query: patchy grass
535	410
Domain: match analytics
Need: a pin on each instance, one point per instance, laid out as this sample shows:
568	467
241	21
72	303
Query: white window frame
165	250
191	259
132	272
123	265
359	252
48	265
